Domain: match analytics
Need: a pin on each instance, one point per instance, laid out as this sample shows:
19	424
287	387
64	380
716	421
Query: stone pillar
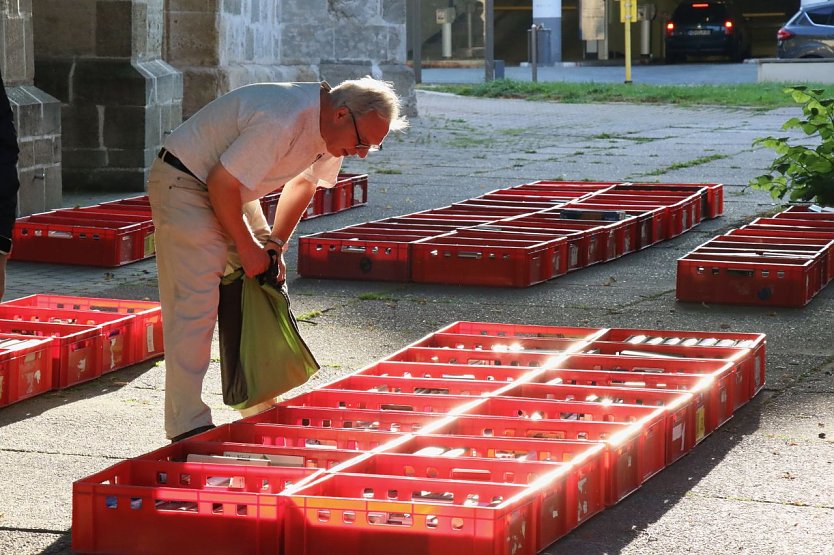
223	44
102	59
37	115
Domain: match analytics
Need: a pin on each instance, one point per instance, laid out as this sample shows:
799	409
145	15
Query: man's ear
341	113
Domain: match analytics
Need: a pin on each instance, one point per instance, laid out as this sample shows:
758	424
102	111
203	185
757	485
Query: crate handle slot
470	254
390	519
351	248
59	234
740	273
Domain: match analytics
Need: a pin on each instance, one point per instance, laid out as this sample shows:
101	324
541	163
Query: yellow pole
627	22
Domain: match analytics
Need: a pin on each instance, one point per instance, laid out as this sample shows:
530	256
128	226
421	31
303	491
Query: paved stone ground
760	484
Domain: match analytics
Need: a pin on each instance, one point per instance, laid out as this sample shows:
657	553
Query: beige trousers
192	255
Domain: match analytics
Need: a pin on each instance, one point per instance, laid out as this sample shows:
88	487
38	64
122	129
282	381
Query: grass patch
388	171
690	164
307	316
752	95
375	297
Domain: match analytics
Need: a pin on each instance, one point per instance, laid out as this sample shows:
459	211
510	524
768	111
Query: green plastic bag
262	353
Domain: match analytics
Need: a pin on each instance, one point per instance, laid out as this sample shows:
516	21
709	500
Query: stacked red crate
780	261
25	367
89	336
487	438
514	237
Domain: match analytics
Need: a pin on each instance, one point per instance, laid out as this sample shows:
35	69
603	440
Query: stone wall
98	83
102	60
223	45
36	114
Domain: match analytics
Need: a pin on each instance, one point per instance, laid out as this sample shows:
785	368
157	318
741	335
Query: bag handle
271	275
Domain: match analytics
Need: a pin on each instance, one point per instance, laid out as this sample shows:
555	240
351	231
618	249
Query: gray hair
370	95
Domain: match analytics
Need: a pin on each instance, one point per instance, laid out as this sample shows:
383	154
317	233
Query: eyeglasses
359	144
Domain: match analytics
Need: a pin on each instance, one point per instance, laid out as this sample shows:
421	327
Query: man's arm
295	197
224	195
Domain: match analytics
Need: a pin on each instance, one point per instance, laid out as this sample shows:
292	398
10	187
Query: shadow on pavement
618	526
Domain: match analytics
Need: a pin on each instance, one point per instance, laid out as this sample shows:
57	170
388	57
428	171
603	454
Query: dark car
707	29
808	34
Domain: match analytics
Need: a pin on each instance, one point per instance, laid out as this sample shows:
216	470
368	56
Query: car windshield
700	13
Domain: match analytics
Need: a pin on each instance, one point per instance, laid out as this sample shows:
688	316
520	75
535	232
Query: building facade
97	84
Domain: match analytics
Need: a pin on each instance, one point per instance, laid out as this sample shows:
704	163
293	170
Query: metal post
417	41
626	7
470	8
534	51
489	44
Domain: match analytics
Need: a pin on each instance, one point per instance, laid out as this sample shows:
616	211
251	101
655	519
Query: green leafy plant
799	172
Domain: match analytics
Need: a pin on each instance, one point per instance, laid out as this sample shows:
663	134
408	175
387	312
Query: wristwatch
276	241
5	244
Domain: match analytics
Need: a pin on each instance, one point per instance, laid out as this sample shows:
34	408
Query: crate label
149	338
700	427
758	371
679	433
150	244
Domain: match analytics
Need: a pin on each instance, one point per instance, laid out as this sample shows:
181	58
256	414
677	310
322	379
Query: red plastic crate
237	453
475	357
350	190
703	389
721	392
444	372
553	482
749	362
76	350
301	437
363	255
754	234
787	221
487	258
587	458
764	280
141	507
138	201
694	201
441	340
583	187
523	331
380	515
97	215
379	401
341	418
628	460
712	194
588	241
624	473
145	328
414	385
680	407
25	367
752	347
85	240
116	339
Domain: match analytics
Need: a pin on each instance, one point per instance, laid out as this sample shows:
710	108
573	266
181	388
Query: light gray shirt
264	135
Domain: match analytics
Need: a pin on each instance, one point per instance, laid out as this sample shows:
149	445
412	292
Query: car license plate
698	32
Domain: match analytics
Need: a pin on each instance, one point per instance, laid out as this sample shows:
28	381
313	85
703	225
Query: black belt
175	162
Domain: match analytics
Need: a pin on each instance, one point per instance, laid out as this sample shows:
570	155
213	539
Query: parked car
712	28
808	34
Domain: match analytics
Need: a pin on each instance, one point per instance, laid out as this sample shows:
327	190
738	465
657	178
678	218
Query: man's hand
254	260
